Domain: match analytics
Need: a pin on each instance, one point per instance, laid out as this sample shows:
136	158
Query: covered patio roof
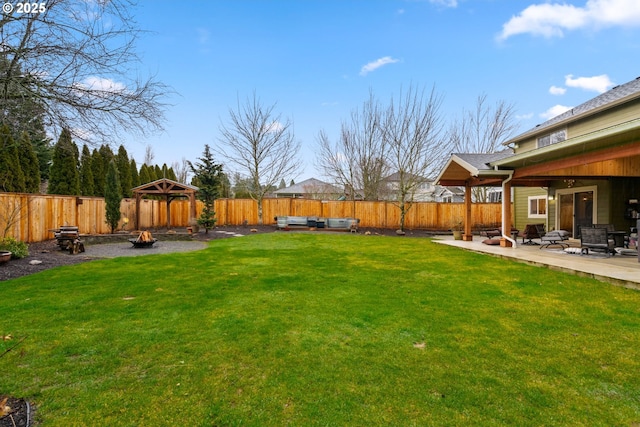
614	151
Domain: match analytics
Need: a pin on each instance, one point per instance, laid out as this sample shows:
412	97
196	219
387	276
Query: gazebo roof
166	187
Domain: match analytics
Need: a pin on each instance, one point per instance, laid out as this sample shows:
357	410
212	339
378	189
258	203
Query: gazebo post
192	205
168	212
138	197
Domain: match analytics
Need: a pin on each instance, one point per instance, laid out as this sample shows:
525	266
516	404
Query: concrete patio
618	270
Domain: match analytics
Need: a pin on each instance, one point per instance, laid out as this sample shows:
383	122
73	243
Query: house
310	189
448	194
581	167
424	190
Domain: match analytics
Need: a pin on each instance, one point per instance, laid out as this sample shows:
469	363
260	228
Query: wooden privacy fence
31	217
422	215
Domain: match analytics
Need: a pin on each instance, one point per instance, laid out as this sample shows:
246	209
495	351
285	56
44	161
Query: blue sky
318	60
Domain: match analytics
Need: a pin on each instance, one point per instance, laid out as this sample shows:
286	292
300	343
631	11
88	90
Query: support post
506	215
192	206
467	236
137	223
168	212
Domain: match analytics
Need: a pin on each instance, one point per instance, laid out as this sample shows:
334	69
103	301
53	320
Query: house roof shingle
307	186
610	98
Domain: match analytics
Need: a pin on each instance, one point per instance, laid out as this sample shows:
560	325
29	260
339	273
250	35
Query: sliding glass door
576	208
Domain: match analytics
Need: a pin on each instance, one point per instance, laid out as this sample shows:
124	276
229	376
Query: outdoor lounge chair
555	237
596	239
532	231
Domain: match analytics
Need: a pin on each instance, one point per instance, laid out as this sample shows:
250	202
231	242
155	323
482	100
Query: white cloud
553	19
274	127
446	3
374	65
524	116
554	111
555	90
599	84
101	84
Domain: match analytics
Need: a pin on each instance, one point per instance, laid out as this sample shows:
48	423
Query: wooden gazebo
170	190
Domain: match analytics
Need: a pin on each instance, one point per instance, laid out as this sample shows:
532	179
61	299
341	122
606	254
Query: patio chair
555	237
532	231
596	239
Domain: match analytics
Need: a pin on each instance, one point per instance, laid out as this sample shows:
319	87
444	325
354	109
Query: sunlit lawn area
321	329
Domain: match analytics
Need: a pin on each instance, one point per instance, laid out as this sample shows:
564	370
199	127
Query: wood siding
589	124
30	217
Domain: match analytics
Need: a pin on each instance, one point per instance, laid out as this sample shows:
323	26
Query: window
538	207
495	196
552	138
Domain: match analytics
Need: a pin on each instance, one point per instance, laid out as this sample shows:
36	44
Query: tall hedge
112	196
11	176
64	177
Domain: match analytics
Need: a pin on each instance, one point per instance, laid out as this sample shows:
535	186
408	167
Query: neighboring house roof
310	186
455	191
613	97
395	177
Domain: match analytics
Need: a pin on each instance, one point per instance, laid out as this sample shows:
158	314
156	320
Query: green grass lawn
321	329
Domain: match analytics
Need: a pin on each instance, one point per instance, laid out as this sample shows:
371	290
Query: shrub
17	249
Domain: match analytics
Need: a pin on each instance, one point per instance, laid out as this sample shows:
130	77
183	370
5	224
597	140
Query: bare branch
74	61
358	159
412	130
261	144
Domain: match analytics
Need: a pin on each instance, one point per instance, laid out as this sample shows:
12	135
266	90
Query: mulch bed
19	414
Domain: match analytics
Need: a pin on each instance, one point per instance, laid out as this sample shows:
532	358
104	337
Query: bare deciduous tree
412	130
483	130
261	145
181	170
74	60
357	160
149	156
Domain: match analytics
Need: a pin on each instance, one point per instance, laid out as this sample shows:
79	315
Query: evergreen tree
11	176
29	164
157	173
107	155
23	112
135	177
282	184
64	177
112	196
44	153
98	173
86	172
124	170
168	173
208	175
292	183
145	178
225	186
